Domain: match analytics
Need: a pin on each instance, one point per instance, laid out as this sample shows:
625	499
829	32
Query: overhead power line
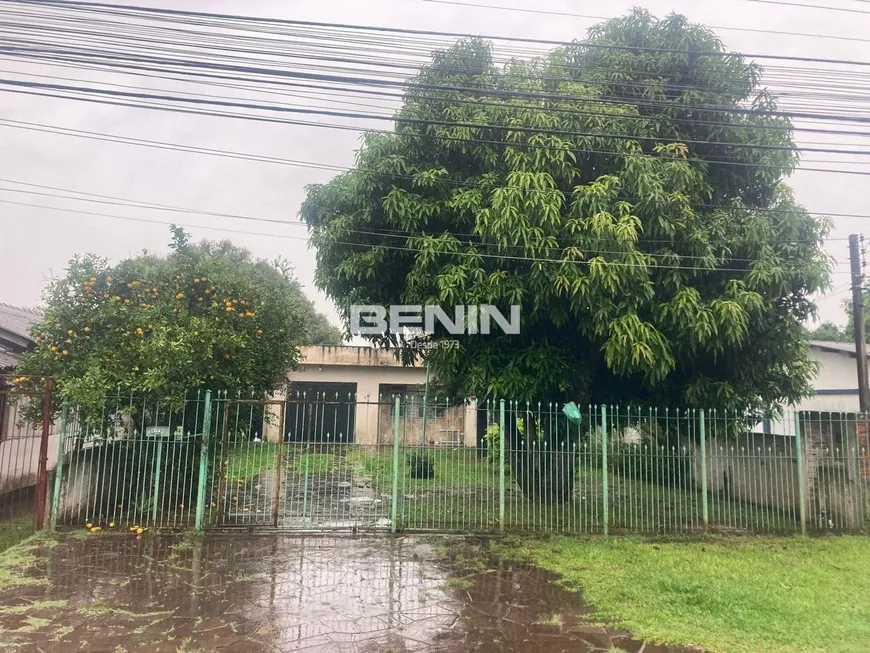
245	156
711	159
798	96
804	5
409	121
71	194
133	10
380	246
332	91
569	14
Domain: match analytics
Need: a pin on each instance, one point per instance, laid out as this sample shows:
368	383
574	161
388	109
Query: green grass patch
247	460
15	561
463	496
723	595
15	530
550	621
459	584
314	463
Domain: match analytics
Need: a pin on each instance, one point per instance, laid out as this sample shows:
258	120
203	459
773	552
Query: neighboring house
19	439
15	340
346	393
835	387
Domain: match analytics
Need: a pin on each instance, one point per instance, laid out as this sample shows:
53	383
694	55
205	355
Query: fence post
705	514
395	502
605	490
501	466
305	482
203	462
42	470
798	443
58	470
157	480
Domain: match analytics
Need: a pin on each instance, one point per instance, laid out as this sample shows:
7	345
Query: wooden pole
858	317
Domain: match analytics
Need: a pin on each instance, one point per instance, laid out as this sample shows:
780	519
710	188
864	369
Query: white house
835	386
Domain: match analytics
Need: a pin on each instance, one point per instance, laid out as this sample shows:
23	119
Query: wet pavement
240	593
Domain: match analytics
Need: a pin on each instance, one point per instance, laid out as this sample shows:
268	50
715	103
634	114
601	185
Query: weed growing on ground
459	584
550	620
188	647
61	632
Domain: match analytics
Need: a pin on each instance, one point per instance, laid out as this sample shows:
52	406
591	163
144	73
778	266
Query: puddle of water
244	593
521	608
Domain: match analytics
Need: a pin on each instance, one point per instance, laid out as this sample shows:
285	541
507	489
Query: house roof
8	359
18	320
838	347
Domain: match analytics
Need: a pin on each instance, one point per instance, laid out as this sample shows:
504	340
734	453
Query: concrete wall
453	425
19	449
369	370
79	485
756	468
762	470
366	367
838	370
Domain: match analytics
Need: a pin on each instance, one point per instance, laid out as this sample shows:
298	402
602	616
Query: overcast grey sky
36	243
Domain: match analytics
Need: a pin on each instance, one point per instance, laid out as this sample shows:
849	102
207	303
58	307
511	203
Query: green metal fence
326	462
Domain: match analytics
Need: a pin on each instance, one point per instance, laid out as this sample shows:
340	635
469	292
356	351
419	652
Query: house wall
19	450
445	426
368	368
836	387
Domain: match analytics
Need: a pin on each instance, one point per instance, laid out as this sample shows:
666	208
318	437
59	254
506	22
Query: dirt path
114	593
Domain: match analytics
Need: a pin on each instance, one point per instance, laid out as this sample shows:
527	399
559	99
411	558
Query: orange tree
206	315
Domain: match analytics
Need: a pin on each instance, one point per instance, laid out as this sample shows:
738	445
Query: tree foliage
830	332
845	333
207	315
627	192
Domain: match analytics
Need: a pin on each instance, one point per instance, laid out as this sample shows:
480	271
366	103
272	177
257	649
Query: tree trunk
544	472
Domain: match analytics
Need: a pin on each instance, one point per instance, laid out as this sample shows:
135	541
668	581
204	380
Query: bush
492	438
421	466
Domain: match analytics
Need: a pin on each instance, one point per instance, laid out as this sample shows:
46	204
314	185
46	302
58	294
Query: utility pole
858	316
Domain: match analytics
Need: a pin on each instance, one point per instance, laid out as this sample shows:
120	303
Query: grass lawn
15	529
463	496
738	595
246	460
313	463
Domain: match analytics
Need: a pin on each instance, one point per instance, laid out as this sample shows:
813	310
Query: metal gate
294	465
25	430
